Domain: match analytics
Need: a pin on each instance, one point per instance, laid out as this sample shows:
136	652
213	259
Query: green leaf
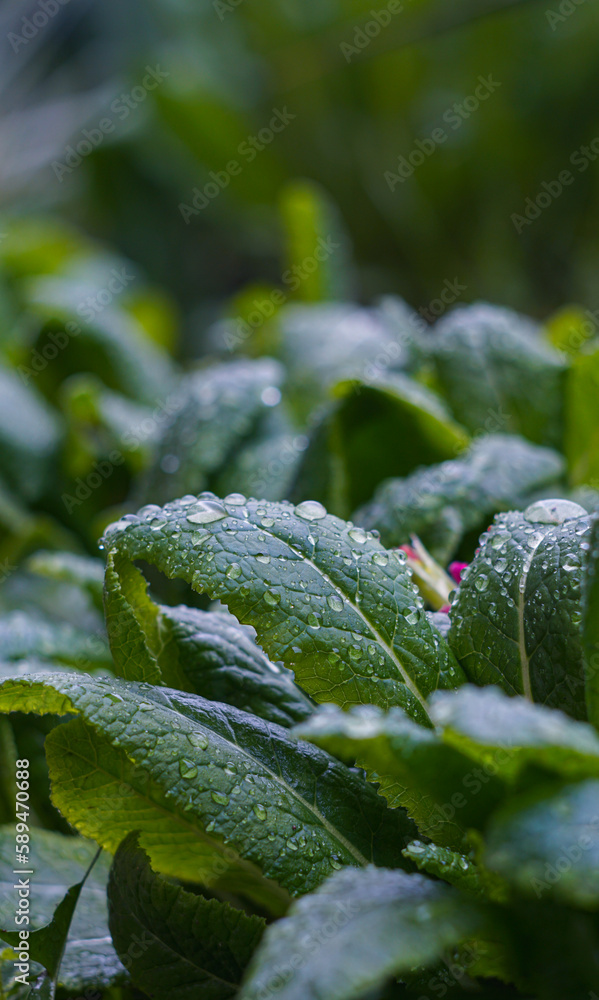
322	345
451	866
355	933
183	942
29	444
413	768
217	408
266	464
498	373
441	503
123	355
24	635
208	653
195	776
352	449
508	734
590	603
546	843
56	890
220	661
323	596
516	618
314	233
581	443
68	567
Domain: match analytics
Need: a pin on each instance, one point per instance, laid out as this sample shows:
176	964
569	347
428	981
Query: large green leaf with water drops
189	945
59	863
356	932
206	652
441	503
516	620
499	373
323	596
204	783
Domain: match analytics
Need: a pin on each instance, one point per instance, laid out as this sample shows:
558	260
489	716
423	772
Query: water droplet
263	558
481	583
336	864
267	522
553	511
220	798
358	535
313	620
187	769
199	537
380	558
335	602
235	499
233	572
198	740
292	845
207	511
260	812
310	510
272	598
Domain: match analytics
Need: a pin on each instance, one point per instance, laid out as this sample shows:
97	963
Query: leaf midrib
184	959
406	679
524	658
333	832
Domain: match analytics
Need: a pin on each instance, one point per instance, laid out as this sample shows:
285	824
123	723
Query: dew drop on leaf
220	798
207	511
553	511
310	510
198	740
380	558
272	598
335	602
187	769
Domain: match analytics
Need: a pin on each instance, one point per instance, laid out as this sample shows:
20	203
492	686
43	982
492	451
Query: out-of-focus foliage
222	71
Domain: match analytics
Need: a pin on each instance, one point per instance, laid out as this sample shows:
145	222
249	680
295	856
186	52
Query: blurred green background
230	63
176	178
